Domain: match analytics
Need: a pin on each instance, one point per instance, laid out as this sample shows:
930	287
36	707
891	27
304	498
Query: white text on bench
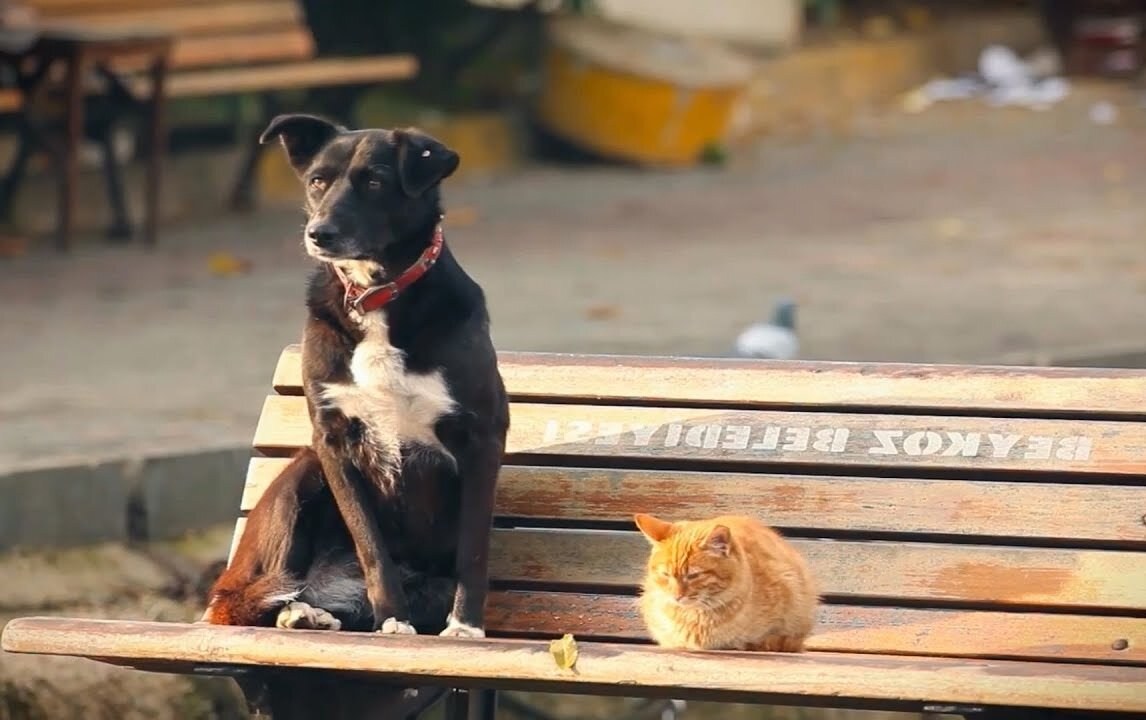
774	438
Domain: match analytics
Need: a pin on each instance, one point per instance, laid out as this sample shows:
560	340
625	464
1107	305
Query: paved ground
959	235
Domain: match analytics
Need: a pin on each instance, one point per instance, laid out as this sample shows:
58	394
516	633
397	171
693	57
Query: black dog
383	523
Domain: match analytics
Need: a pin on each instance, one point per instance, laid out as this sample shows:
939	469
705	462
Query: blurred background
892	180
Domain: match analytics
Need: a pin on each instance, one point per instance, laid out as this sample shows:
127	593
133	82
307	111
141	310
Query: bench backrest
978	512
208	33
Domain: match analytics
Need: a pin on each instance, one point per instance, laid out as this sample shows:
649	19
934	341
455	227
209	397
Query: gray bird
775	340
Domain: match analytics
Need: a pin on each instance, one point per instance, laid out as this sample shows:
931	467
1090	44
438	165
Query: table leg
19	166
73	134
158	130
120	229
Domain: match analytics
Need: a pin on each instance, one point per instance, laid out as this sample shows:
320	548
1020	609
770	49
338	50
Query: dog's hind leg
303	616
335	584
275	549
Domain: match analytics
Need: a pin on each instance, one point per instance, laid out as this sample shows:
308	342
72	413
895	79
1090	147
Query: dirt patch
109	581
48	688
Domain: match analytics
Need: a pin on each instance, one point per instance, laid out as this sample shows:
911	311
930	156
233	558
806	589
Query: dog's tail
237	601
262	576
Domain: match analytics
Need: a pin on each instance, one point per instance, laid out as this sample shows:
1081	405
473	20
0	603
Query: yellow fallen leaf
611	252
226	264
602	312
950	228
564	651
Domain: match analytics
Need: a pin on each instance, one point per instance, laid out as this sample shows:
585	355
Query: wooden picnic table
85	56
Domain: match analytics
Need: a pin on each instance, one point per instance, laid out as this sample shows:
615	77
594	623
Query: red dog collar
366	300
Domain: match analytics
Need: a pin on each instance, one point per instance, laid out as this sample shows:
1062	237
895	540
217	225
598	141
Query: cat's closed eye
693	574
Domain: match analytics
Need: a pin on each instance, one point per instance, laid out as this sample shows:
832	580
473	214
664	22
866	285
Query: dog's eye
318	183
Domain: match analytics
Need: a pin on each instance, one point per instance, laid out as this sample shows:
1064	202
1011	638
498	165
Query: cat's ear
719	541
655	529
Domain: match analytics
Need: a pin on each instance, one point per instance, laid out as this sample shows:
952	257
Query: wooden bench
221	47
979	533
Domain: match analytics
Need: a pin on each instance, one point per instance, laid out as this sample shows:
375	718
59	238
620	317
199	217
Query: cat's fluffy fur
728	583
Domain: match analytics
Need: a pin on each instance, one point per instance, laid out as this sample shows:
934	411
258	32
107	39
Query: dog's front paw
394	626
456	628
300	616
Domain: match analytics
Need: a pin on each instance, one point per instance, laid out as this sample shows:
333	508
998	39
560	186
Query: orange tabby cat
729	583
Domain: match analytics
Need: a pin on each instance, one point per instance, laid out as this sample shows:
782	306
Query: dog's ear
302	137
423	162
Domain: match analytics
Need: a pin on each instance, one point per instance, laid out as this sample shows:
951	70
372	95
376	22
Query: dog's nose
322	233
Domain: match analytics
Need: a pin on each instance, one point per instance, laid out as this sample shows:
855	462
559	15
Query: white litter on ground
1103	113
1003	79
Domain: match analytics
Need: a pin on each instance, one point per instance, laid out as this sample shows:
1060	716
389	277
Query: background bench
221	47
228	46
979	534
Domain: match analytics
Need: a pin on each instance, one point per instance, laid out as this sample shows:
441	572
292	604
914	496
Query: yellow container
638	96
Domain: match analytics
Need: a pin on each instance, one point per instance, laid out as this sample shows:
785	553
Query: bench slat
286	44
1043	511
191	20
1054	392
62	7
905	573
636	436
923	573
285	76
261	46
279	76
843	628
808	679
1060	513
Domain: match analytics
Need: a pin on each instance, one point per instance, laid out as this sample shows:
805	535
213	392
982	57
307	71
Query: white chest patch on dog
361	272
398	407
